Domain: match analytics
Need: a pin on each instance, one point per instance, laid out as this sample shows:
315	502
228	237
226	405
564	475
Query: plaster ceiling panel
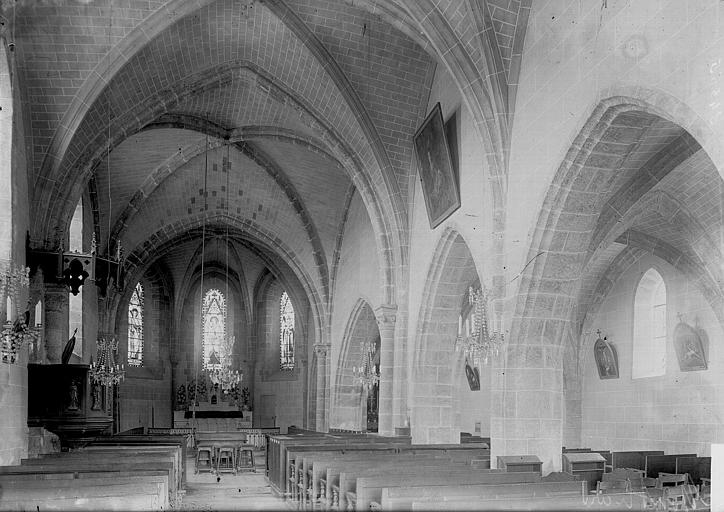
391	73
632	140
255	203
320	182
131	163
52	68
243	103
697	184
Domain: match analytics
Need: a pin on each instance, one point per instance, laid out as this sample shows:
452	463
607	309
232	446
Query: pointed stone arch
348	410
437	366
575	211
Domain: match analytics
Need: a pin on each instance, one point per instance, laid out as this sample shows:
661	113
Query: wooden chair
226	459
681	497
612	486
246	458
671	480
204	458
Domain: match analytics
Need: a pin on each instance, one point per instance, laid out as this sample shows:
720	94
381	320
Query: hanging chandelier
104	370
481	343
16	332
366	375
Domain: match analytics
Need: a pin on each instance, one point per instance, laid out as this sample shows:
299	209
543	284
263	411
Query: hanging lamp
222	372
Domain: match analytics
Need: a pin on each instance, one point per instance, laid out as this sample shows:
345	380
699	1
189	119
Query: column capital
386	315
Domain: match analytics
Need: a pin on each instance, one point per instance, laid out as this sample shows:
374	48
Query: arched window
286	333
135	327
215	346
75	302
649	337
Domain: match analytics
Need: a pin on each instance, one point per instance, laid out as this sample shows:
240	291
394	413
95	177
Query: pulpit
63	400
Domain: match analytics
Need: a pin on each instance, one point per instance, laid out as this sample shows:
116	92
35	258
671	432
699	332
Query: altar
213	418
205	407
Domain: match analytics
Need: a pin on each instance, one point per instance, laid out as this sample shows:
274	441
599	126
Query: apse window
649	337
214	329
135	327
286	333
75	302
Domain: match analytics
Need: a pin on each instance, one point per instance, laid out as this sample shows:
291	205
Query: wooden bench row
112	474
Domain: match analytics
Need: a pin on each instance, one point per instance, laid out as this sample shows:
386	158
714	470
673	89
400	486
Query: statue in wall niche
73	396
96	395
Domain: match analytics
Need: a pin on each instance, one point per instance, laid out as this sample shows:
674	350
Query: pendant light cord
201	287
228	299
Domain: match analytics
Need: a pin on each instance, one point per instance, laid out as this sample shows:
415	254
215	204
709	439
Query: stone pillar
56	321
526	406
386	317
322	387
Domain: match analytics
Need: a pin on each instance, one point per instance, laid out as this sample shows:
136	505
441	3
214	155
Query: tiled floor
244	491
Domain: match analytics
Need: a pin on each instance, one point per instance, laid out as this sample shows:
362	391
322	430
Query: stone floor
244	491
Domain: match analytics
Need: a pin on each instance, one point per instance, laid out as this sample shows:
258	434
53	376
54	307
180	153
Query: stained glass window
286	333
135	327
215	346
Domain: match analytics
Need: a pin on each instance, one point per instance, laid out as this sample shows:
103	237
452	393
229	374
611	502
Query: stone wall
279	395
357	278
679	412
473	222
13	227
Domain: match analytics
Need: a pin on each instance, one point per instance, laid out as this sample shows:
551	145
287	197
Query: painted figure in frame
439	184
606	358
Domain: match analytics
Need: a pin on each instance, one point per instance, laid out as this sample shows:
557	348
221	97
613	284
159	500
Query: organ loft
361	254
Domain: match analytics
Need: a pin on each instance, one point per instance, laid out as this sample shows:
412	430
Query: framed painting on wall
439	183
689	348
606	358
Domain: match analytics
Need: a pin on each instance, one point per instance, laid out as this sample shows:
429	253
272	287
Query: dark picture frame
439	182
606	359
690	350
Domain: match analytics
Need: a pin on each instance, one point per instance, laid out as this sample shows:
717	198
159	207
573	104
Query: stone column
526	406
322	387
386	317
56	321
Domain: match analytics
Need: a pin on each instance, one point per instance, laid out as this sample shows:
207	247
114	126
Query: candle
9	306
460	324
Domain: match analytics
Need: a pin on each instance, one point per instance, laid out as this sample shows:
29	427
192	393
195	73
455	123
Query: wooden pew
612	502
312	472
175	440
111	456
402	497
696	467
367	488
656	464
632	459
104	461
91	491
330	484
294	453
445	453
276	457
322	472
